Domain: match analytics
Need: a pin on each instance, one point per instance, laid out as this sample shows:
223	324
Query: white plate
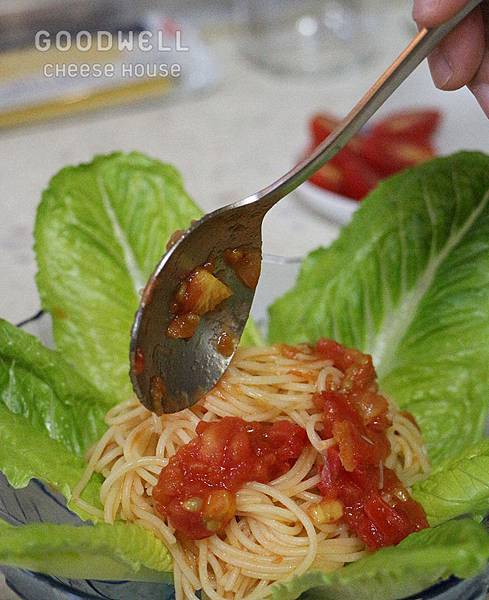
334	207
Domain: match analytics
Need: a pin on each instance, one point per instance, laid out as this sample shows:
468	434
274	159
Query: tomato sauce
246	263
376	506
196	490
225	344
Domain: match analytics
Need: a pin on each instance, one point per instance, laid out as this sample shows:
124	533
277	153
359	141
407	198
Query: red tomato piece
323	124
196	490
376	506
358	176
347	173
393	525
389	155
329	177
341	356
415	125
331	473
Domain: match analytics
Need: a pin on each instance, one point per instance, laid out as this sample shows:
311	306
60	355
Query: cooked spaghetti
280	529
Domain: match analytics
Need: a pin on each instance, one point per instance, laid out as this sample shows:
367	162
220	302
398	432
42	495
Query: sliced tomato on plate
347	174
415	125
329	177
358	176
389	155
323	124
401	140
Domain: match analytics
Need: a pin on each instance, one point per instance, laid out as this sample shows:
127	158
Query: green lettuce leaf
459	548
408	282
29	453
101	228
102	551
460	486
49	415
38	384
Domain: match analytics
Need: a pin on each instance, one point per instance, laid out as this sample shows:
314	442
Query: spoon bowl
171	374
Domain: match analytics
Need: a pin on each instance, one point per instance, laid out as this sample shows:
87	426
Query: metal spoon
169	374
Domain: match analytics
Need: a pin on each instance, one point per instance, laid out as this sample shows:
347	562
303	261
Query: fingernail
481	92
441	71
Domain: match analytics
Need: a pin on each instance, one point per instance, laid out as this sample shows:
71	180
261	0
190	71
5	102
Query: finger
458	57
480	85
429	13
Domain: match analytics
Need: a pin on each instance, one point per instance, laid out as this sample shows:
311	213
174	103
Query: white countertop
227	143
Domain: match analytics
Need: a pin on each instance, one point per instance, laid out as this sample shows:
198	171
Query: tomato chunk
329	177
376	506
390	155
246	263
196	490
197	294
396	142
346	173
415	125
323	124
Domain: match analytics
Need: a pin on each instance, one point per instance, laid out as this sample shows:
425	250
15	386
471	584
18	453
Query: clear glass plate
36	503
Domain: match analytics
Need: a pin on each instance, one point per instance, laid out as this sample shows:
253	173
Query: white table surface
227	143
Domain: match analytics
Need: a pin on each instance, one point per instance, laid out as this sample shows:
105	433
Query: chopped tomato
183	327
341	356
196	490
246	263
226	344
323	124
347	174
394	143
415	125
197	294
369	509
358	176
390	155
376	506
391	525
329	177
200	292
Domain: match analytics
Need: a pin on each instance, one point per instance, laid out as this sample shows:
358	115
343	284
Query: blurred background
226	93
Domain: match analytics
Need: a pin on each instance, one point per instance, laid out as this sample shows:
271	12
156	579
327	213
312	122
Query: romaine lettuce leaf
29	453
101	228
408	282
460	486
49	415
102	551
459	548
40	386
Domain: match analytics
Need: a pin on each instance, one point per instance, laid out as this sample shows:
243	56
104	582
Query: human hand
462	58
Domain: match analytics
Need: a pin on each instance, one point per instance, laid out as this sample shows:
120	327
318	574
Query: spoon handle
416	51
